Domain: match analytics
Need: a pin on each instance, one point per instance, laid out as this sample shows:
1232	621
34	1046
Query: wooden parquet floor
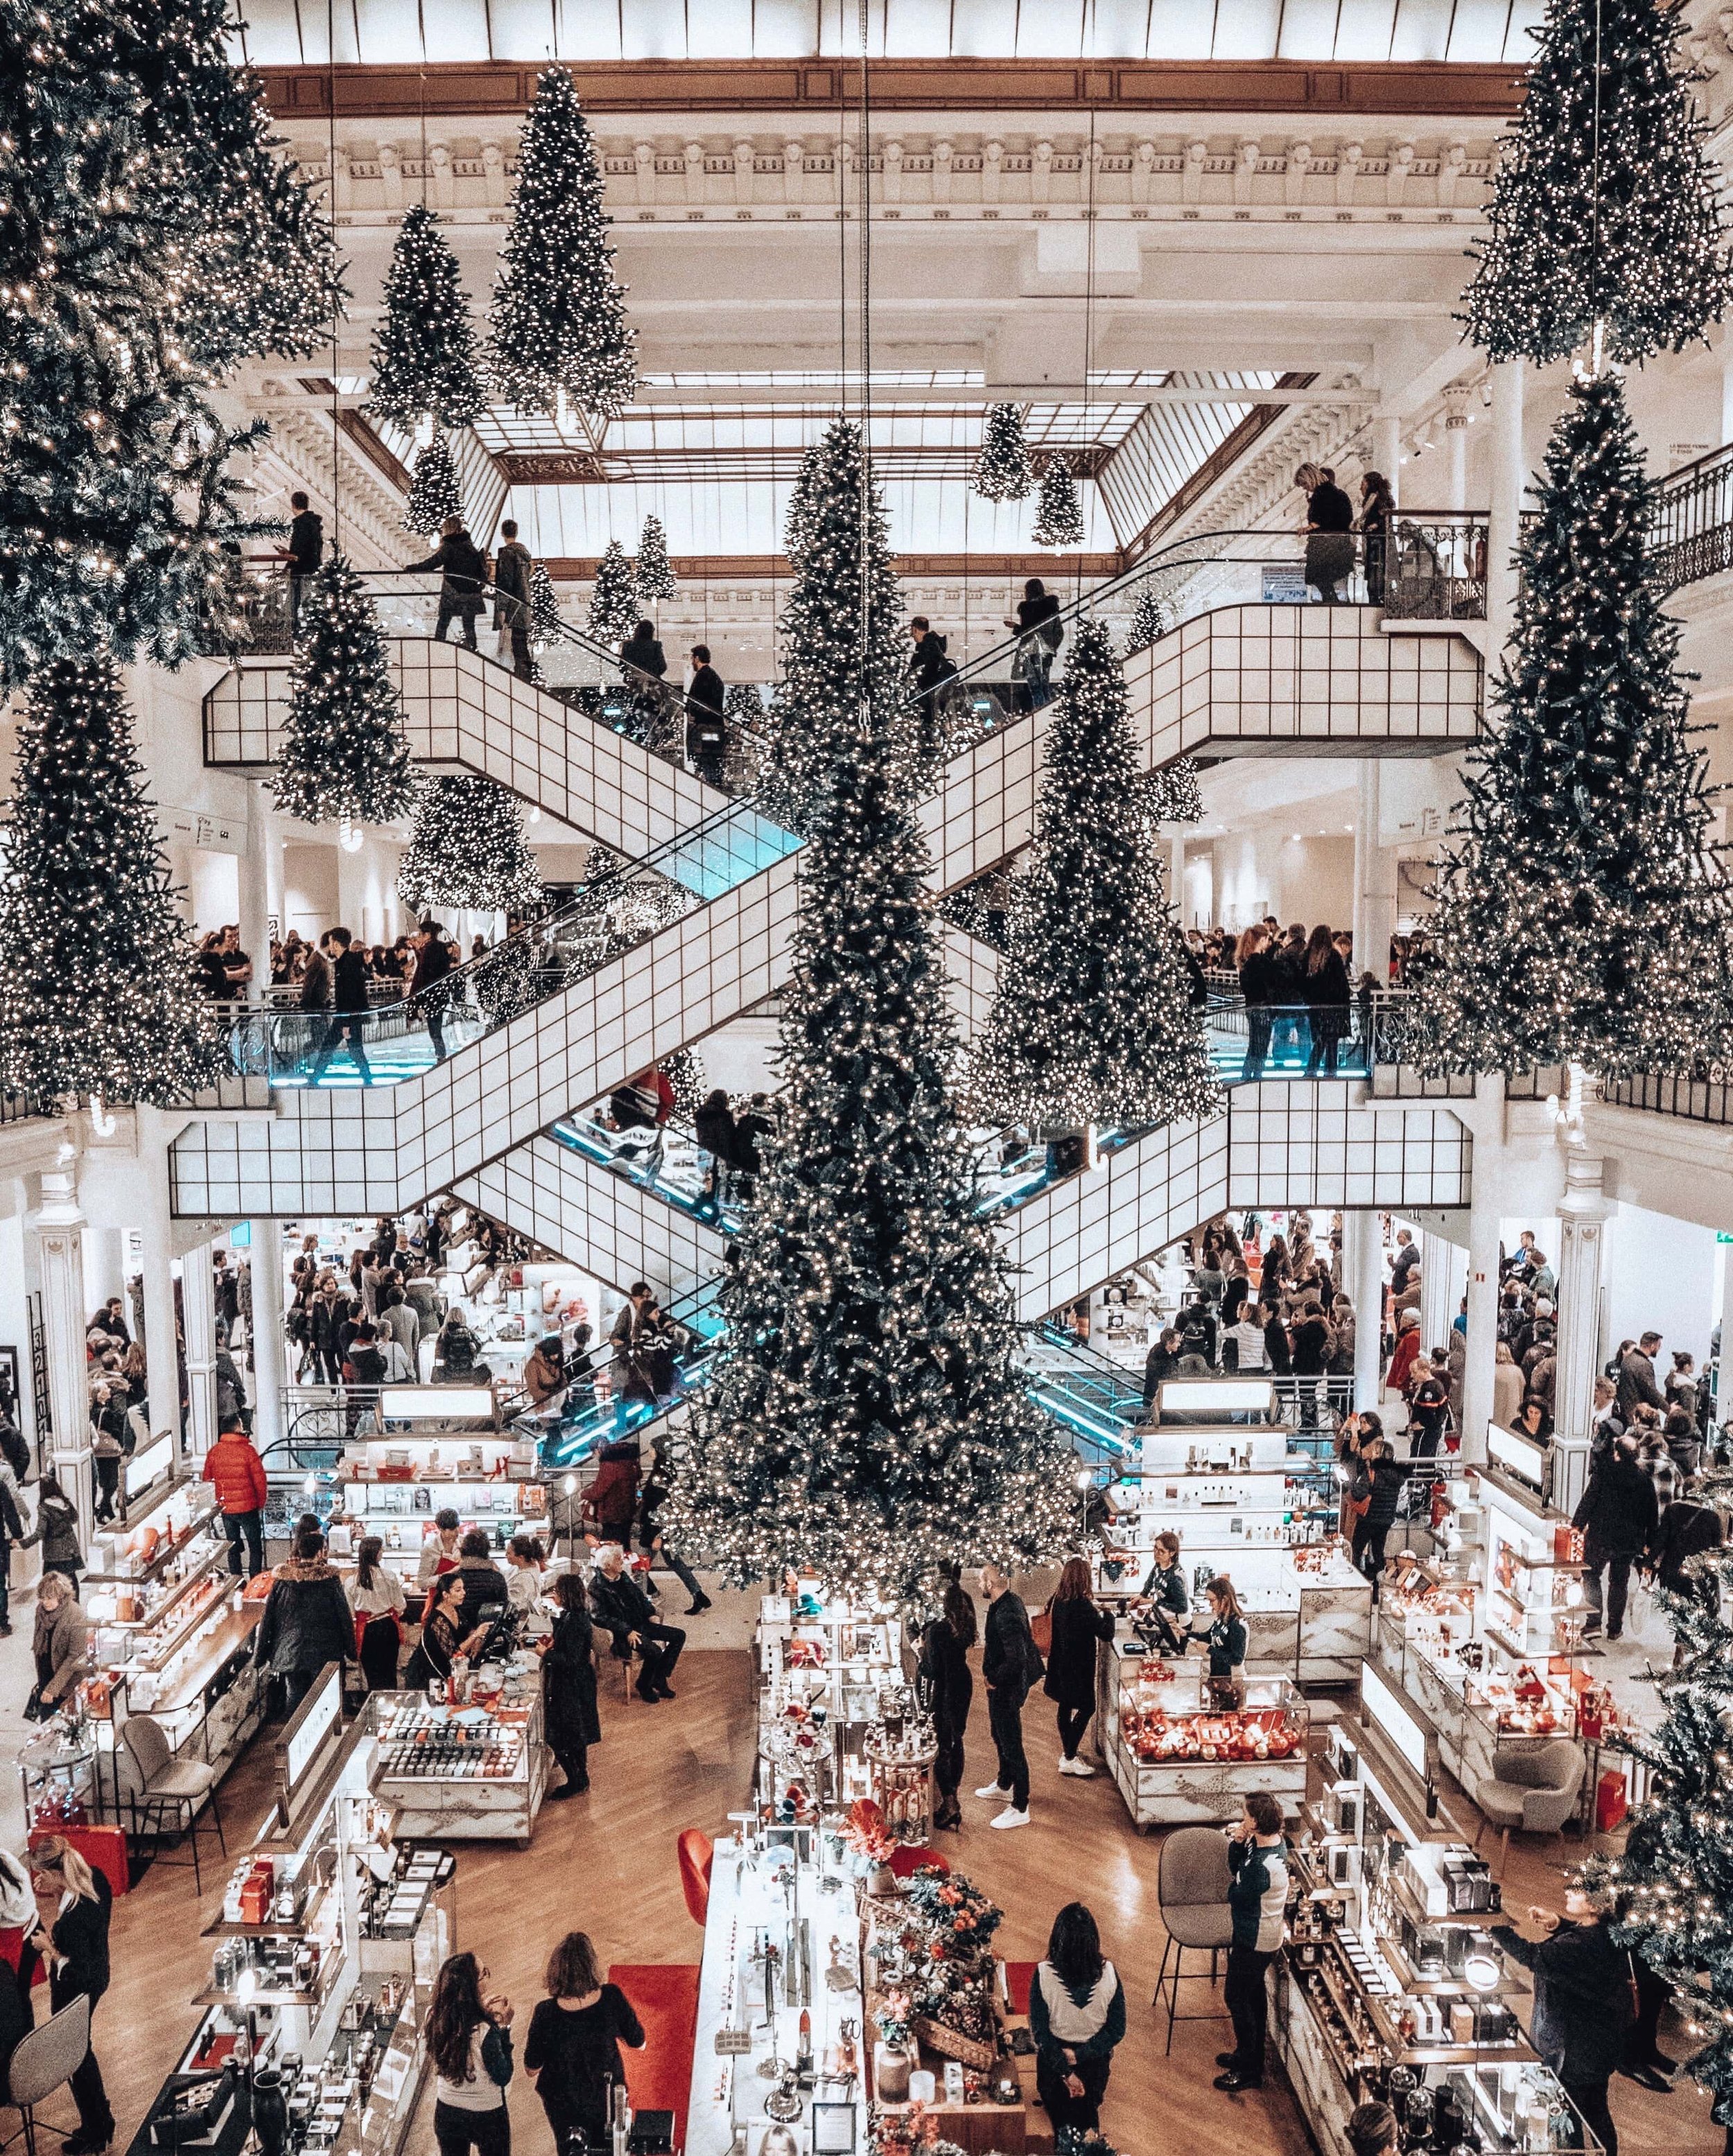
605	1864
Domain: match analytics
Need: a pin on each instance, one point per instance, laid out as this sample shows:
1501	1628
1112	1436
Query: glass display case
469	1769
831	1672
1179	1751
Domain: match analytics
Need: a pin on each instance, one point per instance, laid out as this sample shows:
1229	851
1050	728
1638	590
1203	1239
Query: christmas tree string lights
427	362
654	576
1003	471
613	598
435	491
467	848
1059	516
344	757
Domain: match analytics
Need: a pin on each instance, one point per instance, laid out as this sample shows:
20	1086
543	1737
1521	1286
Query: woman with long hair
1258	990
75	1947
568	1685
469	2040
56	1529
1377	513
1070	1681
1076	2015
572	2053
379	1602
1330	996
949	1686
1225	1636
441	1633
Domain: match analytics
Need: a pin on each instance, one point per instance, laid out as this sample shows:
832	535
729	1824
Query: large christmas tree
1059	515
97	992
1583	914
546	620
1607	207
343	756
427	362
866	1416
559	319
822	633
467	848
1091	1022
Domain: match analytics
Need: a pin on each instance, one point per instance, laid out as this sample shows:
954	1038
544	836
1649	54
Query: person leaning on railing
463	571
1377	507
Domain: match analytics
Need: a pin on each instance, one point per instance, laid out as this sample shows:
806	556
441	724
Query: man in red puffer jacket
233	1468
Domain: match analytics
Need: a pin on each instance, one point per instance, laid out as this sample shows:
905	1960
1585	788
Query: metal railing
1692	537
26	1107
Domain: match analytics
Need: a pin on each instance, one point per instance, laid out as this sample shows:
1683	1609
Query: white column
155	1242
1437	1301
1508	476
255	879
1363	1264
198	1311
1456	460
1374	885
1483	1336
269	1372
1726	387
105	1267
1388	448
1724	1371
58	1227
351	890
1584	1211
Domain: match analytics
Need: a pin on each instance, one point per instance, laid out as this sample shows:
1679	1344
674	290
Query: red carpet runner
665	1994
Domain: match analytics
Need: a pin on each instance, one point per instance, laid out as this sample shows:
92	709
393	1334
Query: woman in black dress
950	1687
1328	995
572	2053
568	1686
1070	1681
76	1948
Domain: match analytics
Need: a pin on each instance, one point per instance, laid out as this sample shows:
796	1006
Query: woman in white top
469	2040
378	1601
1076	2015
526	1581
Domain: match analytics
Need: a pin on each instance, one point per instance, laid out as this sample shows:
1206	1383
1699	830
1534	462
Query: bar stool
1191	1892
44	2061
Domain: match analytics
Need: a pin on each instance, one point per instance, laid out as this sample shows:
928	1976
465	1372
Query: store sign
1404	1734
1516	1454
437	1403
1284	584
198	827
143	1468
1222	1396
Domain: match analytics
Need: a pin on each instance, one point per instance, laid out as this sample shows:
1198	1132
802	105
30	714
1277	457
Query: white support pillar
1440	1290
57	1226
1508	476
1724	1366
1388	448
1456	460
1375	881
1726	387
255	879
155	1242
1363	1264
198	1309
270	1374
105	1268
1482	1335
1584	1211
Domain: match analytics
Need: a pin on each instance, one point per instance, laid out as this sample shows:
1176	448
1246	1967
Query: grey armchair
1535	1792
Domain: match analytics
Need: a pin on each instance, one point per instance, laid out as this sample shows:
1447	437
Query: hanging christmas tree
435	492
559	322
343	755
1630	233
684	1073
546	621
1673	1882
1174	795
1149	623
1091	1022
1583	911
1059	516
866	1416
467	848
97	992
427	364
822	633
1003	471
655	579
614	598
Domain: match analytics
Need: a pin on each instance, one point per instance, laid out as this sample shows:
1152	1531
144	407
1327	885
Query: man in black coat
706	732
305	552
463	574
348	1004
622	1608
512	570
433	962
307	1620
1009	1664
1617	1514
1637	1385
1159	1364
1582	2004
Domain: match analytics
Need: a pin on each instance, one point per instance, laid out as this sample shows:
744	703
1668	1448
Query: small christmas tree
815	715
434	490
1630	234
1003	471
1149	623
655	577
559	320
344	756
467	848
1174	795
614	598
1059	516
546	620
743	703
1583	912
1092	1021
97	992
684	1073
867	1416
427	362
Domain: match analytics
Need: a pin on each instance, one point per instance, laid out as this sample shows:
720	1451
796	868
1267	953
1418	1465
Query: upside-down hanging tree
1092	1020
1002	470
344	754
467	848
866	1415
435	491
654	576
1174	795
1583	911
97	992
559	319
427	362
1059	515
613	598
1634	237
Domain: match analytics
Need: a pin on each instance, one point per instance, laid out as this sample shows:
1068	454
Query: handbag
36	1708
1041	1630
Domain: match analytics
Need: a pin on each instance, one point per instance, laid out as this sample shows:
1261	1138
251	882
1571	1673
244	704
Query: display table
831	1673
475	1773
1177	1758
